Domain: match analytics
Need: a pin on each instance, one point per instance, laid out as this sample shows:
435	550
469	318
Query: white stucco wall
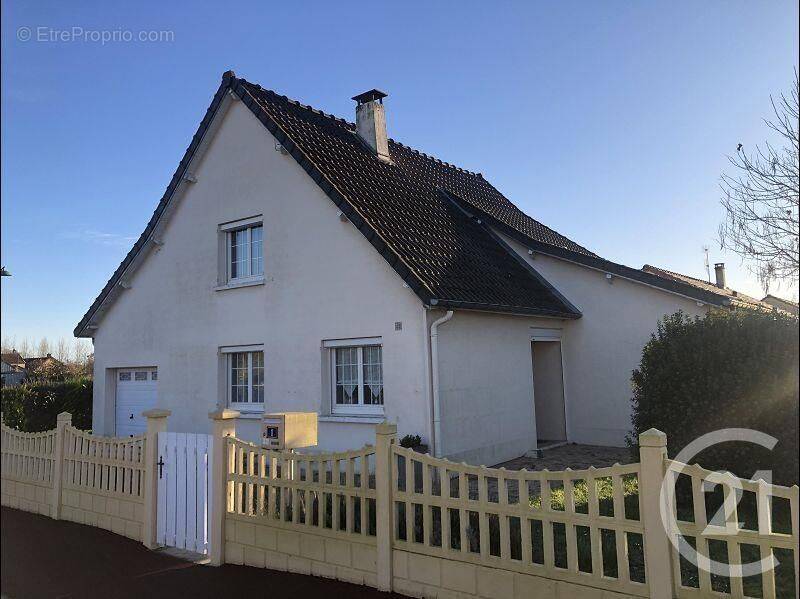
486	380
486	386
601	349
323	281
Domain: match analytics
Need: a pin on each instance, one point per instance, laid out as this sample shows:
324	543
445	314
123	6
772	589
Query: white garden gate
184	501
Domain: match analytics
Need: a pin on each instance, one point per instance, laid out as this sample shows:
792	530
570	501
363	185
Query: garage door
136	392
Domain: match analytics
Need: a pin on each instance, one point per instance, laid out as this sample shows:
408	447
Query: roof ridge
312	109
351	124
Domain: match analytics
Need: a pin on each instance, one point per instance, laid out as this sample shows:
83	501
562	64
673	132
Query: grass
580	495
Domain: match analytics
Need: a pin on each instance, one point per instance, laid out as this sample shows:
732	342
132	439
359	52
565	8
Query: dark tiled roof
448	258
479	193
13	358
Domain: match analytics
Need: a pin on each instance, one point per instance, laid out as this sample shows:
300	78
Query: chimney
719	271
371	122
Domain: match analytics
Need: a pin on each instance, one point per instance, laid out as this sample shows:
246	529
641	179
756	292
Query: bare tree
63	350
24	348
43	348
761	199
81	351
9	343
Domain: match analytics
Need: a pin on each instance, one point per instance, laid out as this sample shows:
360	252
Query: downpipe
437	412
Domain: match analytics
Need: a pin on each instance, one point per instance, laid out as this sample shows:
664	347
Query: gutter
437	411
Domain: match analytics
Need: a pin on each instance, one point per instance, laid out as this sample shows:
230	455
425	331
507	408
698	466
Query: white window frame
247	225
360	408
249	405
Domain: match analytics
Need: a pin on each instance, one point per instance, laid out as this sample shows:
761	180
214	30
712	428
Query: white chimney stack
719	271
371	122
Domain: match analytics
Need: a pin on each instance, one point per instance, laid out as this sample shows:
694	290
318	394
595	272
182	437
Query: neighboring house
781	304
301	262
734	298
12	368
44	367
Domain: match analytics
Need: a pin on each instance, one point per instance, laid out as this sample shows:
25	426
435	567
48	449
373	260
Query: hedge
734	369
33	407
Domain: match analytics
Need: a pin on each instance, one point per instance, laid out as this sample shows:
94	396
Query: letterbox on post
289	430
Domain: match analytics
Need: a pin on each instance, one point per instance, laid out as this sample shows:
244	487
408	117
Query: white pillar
156	423
657	551
63	420
385	437
223	423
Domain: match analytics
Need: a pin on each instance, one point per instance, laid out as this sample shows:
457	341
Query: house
12	368
734	298
44	367
781	304
298	261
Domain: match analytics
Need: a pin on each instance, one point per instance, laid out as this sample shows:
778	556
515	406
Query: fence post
156	423
385	437
223	423
63	420
657	553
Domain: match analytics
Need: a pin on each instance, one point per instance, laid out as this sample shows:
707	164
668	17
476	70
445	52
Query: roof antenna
707	265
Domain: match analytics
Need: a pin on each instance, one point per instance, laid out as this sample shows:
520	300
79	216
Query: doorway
548	391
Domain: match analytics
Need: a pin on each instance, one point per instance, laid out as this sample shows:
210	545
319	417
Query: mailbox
289	430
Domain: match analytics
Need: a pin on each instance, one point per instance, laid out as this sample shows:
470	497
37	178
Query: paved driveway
47	558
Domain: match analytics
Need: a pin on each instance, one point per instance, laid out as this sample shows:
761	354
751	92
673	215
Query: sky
610	122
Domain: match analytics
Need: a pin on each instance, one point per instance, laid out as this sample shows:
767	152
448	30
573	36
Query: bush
410	441
726	370
33	407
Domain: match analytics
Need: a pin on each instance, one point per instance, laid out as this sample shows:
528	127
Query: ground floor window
245	379
357	379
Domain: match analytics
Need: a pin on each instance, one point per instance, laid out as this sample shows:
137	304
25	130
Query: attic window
244	250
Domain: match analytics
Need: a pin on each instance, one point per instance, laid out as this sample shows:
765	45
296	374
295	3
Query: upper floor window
245	252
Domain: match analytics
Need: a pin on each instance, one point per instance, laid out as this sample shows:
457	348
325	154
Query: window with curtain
357	376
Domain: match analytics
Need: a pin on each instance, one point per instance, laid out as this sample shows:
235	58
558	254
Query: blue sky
608	121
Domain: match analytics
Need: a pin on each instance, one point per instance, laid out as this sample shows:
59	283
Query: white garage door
136	392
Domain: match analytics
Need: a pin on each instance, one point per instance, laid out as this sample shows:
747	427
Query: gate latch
160	465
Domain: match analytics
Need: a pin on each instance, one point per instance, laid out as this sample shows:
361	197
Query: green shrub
33	407
725	370
411	441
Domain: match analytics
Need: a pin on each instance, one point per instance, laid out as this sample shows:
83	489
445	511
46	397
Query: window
357	377
245	252
140	375
124	376
246	379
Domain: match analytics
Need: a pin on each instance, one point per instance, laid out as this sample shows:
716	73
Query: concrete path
56	559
